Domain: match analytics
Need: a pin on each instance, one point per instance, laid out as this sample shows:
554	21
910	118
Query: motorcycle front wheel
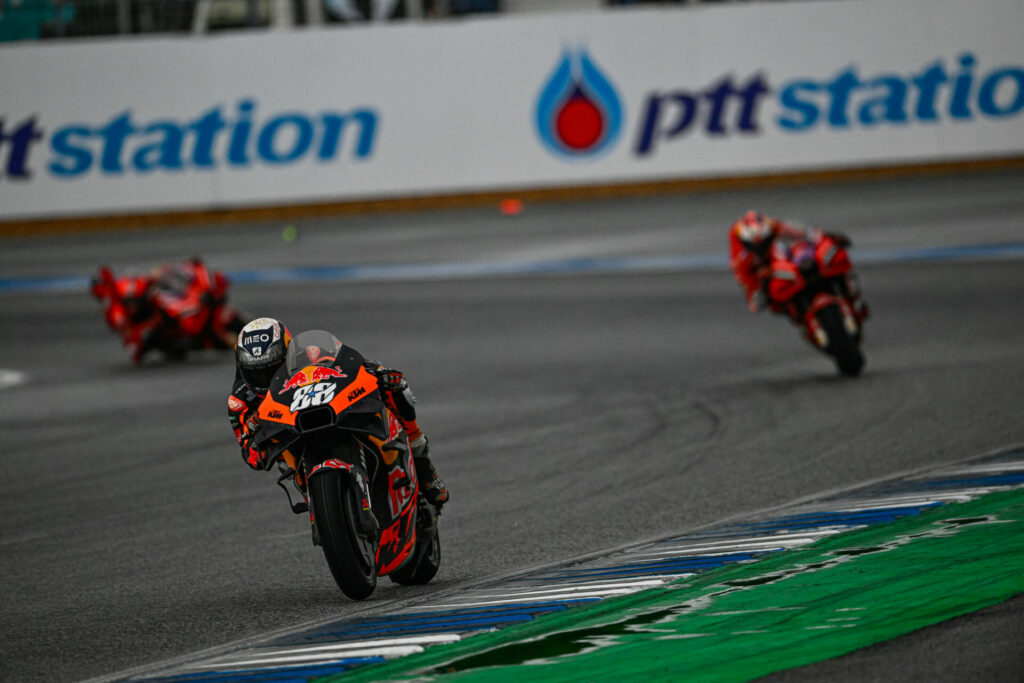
841	345
335	498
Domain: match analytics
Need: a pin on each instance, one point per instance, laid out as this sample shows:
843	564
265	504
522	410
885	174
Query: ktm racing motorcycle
325	427
173	309
809	280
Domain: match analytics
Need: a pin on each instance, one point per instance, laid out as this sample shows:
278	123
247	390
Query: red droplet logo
579	123
578	113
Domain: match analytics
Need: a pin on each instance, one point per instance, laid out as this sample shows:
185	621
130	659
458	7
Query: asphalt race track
587	373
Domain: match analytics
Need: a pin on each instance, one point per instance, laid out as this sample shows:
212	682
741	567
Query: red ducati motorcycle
326	428
809	281
173	309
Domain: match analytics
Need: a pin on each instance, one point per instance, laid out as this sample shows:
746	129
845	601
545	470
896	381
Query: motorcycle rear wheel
351	557
841	345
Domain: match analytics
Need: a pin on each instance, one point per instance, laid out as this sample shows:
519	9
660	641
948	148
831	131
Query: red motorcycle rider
261	349
174	308
752	241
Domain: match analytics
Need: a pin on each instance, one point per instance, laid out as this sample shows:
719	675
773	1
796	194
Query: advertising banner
504	103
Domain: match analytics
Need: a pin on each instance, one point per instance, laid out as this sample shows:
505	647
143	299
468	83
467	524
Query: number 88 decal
317	394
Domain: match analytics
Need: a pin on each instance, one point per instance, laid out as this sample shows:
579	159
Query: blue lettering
718	95
114	135
687	107
332	136
214	140
78	159
804	113
333	125
887	97
988	93
303	138
887	107
206	128
927	89
22	139
240	135
165	152
840	88
958	108
368	127
756	88
651	127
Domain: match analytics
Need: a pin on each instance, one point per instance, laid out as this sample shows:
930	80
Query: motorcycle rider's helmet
260	351
755	233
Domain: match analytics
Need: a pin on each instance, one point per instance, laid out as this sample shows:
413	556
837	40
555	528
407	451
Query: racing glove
391	379
254	457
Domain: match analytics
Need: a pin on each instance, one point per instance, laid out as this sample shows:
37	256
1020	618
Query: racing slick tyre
842	346
426	558
351	556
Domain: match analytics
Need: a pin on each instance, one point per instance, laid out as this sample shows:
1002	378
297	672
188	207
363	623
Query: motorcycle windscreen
313	347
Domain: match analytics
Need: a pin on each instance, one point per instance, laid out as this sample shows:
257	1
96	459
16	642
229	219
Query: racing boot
431	485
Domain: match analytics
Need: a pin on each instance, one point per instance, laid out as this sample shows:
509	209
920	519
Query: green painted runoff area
740	622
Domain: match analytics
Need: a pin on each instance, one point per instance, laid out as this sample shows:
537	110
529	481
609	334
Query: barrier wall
506	103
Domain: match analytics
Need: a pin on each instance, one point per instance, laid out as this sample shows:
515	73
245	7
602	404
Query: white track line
292	660
10	378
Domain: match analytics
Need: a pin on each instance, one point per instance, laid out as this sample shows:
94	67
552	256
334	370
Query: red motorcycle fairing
174	309
809	281
786	281
403	491
833	260
786	277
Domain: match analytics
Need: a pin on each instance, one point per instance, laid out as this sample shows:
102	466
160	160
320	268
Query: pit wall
506	103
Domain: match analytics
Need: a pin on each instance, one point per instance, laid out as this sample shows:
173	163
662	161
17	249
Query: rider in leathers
751	240
260	351
183	298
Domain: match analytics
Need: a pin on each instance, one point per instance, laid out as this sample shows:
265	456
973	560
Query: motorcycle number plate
319	394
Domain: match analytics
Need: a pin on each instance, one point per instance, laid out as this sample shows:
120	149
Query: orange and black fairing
324	412
336	379
398	538
397	541
321	384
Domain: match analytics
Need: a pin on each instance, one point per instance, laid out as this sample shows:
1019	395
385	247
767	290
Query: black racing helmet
260	351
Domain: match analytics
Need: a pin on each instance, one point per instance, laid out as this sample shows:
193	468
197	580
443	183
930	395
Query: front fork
288	468
354	466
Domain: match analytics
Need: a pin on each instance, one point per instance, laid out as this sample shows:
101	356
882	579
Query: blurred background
552	276
49	19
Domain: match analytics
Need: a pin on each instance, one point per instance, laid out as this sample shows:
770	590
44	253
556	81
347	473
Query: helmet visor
259	378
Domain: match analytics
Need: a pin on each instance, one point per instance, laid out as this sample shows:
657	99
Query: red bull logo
320	374
307	376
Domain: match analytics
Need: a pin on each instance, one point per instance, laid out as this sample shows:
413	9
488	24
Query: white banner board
505	103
